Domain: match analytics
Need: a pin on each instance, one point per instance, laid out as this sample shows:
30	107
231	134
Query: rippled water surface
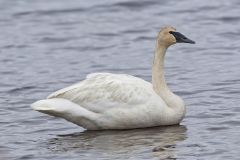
47	45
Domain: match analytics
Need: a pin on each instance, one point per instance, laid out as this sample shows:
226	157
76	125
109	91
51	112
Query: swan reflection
149	142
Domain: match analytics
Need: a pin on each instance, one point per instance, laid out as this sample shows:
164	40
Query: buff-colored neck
158	80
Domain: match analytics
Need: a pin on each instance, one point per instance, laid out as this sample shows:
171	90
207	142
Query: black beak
180	38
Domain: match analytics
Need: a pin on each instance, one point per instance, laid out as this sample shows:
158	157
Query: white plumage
117	101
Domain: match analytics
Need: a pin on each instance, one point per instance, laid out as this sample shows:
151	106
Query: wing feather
101	91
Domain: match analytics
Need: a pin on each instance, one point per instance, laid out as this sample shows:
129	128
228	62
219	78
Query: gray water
47	45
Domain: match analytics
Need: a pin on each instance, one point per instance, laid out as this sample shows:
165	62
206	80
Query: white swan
118	101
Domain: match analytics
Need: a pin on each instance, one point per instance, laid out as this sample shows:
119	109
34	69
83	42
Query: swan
120	101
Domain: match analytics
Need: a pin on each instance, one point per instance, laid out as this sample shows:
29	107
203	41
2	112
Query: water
47	45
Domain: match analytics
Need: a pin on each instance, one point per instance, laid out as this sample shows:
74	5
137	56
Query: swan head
169	36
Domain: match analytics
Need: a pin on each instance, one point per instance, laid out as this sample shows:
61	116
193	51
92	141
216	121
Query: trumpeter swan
119	101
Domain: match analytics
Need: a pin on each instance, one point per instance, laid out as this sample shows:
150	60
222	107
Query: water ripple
51	12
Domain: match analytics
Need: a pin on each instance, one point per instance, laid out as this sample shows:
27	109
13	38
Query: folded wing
103	91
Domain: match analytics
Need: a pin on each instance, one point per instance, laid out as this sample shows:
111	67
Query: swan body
118	101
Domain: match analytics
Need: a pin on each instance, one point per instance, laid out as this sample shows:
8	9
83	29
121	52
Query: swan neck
158	79
174	102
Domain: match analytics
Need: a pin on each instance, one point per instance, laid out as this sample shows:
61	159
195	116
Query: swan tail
68	110
48	106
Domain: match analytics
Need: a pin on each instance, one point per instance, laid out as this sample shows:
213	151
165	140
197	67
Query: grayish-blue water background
47	45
